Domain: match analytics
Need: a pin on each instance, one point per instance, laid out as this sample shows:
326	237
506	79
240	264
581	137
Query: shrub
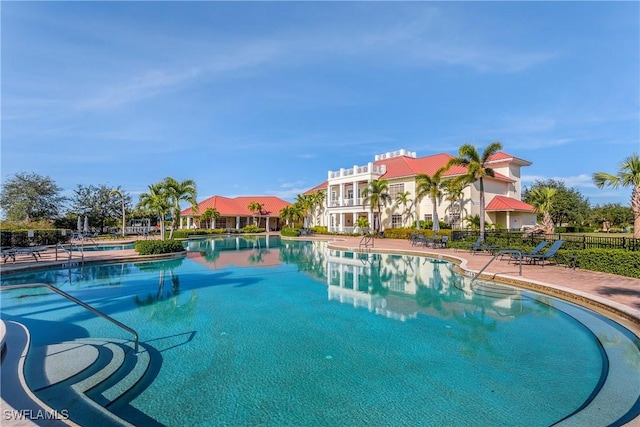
156	247
290	232
614	261
251	228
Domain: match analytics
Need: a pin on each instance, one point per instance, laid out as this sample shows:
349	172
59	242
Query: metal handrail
500	253
366	240
80	303
69	251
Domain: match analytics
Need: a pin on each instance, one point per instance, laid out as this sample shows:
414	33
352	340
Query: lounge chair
480	247
550	253
519	257
13	252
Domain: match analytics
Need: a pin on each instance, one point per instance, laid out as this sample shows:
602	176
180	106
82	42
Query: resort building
344	202
234	213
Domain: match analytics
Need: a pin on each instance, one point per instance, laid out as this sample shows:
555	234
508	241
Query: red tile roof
405	166
502	203
238	206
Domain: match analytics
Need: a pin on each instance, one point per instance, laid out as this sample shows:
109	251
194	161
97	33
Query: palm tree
453	191
542	200
431	186
305	204
156	203
210	214
317	203
403	200
177	192
255	207
120	193
477	169
377	195
628	176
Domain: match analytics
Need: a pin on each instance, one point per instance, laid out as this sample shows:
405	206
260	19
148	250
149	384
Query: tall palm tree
542	200
477	169
431	186
377	195
255	208
156	203
628	176
403	200
317	203
177	192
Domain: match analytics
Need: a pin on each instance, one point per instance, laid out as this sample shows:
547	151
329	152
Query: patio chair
419	240
550	253
519	257
480	247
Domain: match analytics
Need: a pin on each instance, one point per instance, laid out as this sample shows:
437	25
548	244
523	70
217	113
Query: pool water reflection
266	331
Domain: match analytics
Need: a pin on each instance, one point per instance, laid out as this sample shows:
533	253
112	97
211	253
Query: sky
264	98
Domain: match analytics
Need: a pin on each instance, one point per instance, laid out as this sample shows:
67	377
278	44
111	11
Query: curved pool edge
621	313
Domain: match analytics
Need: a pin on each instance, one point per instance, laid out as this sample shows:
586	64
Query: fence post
584	241
624	242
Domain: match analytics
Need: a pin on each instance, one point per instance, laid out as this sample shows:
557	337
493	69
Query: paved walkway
617	295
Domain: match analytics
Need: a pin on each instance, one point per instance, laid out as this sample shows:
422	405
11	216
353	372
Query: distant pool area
264	331
104	247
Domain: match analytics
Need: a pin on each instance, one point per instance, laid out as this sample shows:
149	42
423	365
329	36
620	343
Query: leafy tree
97	203
542	198
569	205
157	204
477	169
31	197
376	194
618	215
628	175
176	192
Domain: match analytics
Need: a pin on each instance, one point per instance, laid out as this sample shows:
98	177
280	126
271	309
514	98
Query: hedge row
156	247
614	261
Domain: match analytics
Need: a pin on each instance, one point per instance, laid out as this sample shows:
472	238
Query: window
396	221
395	189
428	217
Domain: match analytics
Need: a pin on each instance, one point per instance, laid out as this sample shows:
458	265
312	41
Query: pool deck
600	291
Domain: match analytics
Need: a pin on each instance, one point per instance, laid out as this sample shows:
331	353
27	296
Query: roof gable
503	203
226	206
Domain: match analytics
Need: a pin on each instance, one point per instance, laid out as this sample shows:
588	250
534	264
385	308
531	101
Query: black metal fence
572	241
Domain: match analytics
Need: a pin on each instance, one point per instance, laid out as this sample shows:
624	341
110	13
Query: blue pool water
270	332
105	247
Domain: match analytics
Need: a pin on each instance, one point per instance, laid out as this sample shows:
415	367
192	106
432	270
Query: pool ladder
366	241
80	303
500	253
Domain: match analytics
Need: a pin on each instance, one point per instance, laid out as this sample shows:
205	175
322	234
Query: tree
569	205
628	175
157	204
97	203
177	192
453	190
431	186
376	194
210	215
616	213
403	200
255	208
477	169
542	199
31	197
125	200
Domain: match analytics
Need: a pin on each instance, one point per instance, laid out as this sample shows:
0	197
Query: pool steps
87	377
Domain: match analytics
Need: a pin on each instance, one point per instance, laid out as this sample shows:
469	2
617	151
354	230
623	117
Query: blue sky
263	98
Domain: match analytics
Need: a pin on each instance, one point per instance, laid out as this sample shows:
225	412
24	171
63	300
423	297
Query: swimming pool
264	331
104	247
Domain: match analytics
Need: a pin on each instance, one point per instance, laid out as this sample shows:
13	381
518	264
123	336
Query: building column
237	222
341	222
341	194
